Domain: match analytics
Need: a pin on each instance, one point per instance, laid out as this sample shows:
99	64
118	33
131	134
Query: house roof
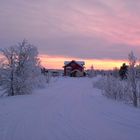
81	63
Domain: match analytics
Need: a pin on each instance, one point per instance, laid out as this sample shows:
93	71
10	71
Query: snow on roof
78	62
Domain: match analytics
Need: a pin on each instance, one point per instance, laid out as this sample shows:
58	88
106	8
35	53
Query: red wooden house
74	68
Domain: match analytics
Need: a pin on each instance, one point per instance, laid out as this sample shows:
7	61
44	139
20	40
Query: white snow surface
68	109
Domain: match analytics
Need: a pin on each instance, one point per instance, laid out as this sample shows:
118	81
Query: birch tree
20	69
132	80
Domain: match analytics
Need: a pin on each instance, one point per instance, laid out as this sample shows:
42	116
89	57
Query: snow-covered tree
115	72
123	71
91	72
20	69
132	80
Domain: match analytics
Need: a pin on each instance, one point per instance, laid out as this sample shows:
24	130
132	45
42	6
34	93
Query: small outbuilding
74	68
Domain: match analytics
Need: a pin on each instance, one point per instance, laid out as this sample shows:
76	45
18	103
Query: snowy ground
69	109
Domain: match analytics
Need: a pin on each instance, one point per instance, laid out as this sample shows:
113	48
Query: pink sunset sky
99	32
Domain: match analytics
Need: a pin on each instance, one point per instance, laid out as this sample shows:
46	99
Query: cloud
87	48
77	28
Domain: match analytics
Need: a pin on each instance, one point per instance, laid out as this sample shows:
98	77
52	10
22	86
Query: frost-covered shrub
128	88
100	82
113	88
138	92
48	77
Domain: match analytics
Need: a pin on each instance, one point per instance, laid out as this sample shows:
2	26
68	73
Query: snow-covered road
69	109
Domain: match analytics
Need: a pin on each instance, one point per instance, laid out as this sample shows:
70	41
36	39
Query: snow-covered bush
20	69
113	88
48	77
100	82
127	89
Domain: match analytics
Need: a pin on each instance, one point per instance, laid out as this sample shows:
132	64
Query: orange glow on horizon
57	62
